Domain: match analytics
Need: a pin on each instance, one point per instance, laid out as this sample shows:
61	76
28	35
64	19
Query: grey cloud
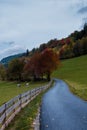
11	43
85	19
12	50
83	10
32	22
8	43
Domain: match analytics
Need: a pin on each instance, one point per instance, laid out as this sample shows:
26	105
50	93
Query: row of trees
74	49
72	46
80	48
37	67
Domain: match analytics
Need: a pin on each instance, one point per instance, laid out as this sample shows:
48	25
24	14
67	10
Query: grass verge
74	72
24	120
77	89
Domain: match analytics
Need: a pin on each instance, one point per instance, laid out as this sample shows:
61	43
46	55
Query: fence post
30	95
4	122
35	91
20	101
26	97
14	106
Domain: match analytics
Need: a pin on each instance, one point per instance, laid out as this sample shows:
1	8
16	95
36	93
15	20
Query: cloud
11	51
11	43
85	19
7	43
83	10
30	22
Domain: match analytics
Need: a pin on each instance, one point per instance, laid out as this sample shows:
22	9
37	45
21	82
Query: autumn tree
2	72
84	45
15	69
80	47
41	64
27	52
49	62
32	67
42	47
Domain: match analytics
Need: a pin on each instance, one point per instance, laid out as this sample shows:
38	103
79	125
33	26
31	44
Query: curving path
61	110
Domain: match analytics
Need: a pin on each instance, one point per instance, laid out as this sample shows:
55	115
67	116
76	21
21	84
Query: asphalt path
61	110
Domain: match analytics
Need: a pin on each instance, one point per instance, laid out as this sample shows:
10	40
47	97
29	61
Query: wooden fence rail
12	107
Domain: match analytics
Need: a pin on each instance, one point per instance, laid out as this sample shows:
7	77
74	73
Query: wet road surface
61	110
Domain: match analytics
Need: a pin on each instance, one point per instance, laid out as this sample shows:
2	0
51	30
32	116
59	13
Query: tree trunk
34	77
48	77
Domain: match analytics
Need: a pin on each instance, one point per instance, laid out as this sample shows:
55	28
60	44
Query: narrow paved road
61	110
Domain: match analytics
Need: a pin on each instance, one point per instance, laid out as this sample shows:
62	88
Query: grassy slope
74	72
9	89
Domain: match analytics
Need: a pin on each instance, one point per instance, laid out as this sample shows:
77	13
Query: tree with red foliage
42	64
49	62
68	41
32	66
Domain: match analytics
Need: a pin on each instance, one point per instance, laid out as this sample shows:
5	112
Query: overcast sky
28	23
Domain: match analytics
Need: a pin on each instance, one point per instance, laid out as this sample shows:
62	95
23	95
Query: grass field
9	90
74	72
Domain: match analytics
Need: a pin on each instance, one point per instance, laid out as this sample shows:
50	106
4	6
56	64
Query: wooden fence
12	107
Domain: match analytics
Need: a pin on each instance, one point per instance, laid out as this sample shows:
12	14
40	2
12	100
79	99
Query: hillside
72	46
74	72
6	60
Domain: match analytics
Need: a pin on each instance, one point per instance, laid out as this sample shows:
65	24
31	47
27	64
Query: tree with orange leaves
32	66
49	62
42	64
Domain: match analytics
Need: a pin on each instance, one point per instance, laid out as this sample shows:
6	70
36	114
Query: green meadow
74	72
9	90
